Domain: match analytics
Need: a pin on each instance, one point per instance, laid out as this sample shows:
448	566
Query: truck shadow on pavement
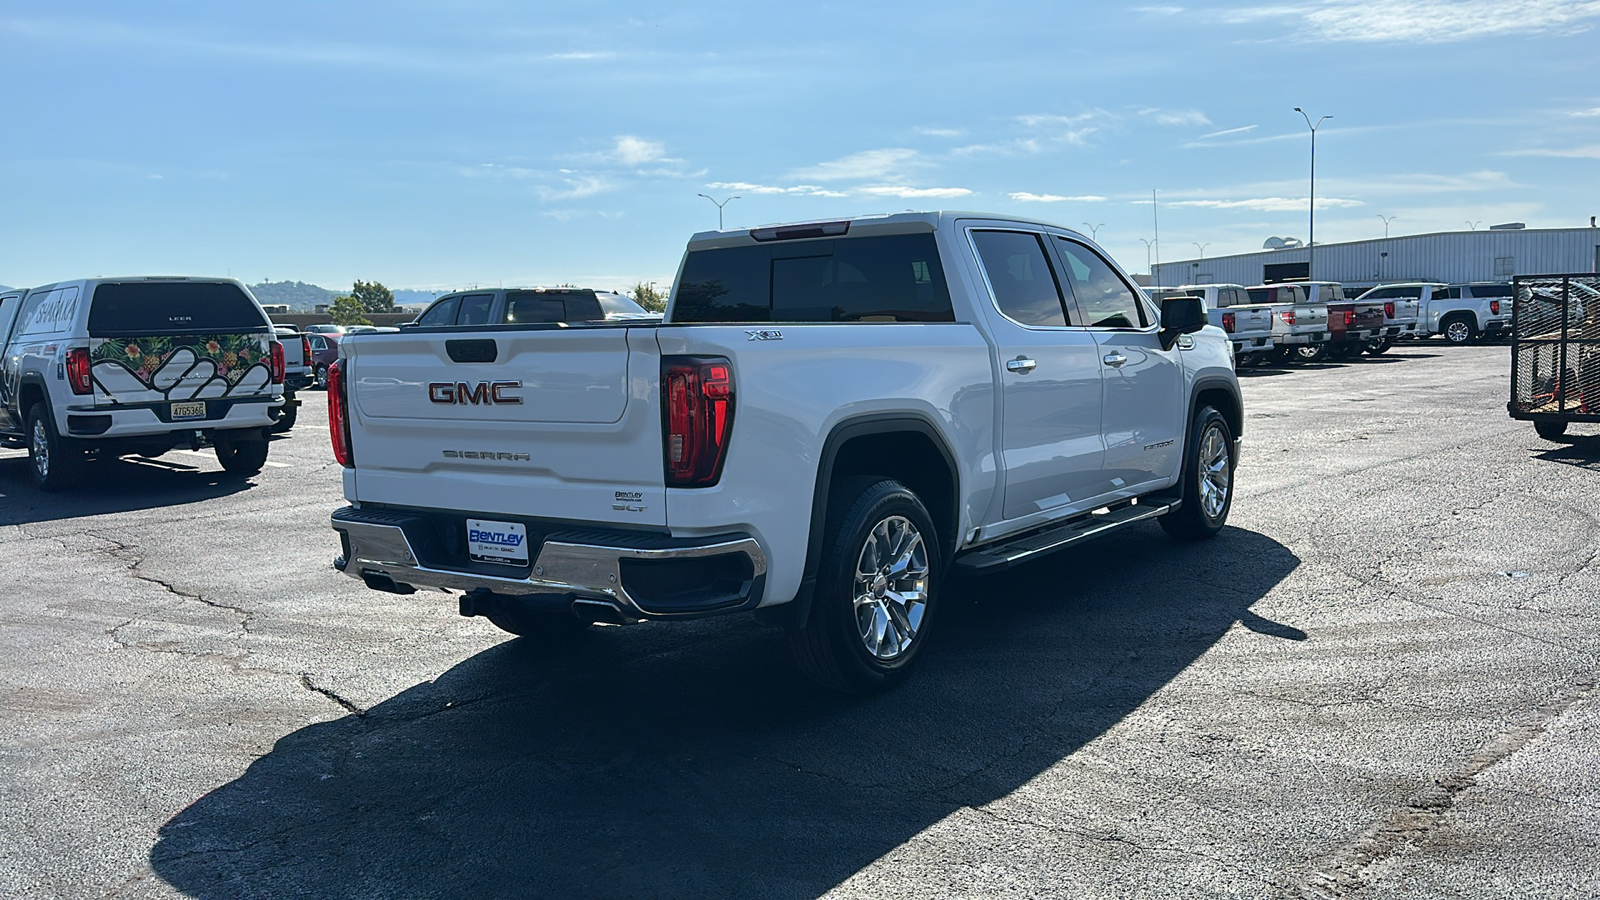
692	761
111	486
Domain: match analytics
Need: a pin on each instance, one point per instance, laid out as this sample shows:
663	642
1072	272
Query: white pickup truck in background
1228	306
832	418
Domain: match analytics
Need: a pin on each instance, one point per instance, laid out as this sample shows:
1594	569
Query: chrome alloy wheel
1458	332
41	449
1216	476
891	587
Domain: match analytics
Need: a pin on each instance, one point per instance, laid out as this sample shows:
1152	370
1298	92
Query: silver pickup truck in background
1299	326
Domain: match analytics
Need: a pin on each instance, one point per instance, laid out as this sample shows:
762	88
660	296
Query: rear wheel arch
1224	397
905	448
31	391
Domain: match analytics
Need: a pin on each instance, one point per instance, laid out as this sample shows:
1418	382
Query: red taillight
1349	317
1287	316
1494	307
1227	322
78	370
277	363
305	349
1388	309
339	417
697	401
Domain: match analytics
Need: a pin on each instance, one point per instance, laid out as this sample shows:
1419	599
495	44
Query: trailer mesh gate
1555	348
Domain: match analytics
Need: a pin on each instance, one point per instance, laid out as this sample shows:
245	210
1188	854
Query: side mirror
1180	315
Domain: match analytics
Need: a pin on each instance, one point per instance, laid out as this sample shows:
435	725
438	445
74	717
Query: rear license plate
189	410
497	542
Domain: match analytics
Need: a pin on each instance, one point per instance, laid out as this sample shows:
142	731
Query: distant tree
373	297
348	311
646	295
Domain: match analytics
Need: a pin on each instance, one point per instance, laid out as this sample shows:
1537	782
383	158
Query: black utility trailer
1555	352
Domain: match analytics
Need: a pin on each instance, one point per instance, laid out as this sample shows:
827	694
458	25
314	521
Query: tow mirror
1180	315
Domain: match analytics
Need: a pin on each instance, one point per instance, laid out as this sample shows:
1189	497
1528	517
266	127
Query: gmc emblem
487	393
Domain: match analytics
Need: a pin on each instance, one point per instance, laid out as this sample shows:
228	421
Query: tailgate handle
478	350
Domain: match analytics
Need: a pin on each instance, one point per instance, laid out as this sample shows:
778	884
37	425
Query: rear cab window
523	307
121	309
878	278
475	309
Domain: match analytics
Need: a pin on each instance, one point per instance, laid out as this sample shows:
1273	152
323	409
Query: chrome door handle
1114	360
1020	364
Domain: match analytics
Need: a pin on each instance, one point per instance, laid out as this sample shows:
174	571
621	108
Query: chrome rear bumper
377	544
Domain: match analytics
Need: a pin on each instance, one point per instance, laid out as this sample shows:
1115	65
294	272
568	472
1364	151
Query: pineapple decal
229	357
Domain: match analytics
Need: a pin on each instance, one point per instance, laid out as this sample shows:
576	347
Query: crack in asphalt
130	554
1355	866
308	684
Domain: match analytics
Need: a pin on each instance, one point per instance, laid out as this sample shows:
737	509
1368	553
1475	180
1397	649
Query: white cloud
632	151
1423	21
910	193
1189	117
1266	204
942	132
1590	152
861	166
803	190
1159	10
1027	197
1586	113
1243	129
584	54
577	186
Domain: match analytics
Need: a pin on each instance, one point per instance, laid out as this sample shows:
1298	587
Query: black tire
1459	330
1550	429
55	462
519	617
320	378
1310	353
1285	355
291	411
867	515
241	458
1193	521
1380	347
1345	352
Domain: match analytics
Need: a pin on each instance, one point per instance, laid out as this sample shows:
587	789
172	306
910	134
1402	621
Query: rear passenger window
1104	298
475	309
1019	273
441	313
884	278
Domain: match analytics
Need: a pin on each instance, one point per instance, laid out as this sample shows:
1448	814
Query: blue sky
441	145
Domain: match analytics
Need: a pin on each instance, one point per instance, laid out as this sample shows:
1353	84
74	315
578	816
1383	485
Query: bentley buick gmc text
832	420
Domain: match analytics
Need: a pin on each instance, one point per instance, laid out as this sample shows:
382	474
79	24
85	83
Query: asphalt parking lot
1379	681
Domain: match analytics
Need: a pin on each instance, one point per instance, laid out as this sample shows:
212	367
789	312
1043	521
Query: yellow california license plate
196	410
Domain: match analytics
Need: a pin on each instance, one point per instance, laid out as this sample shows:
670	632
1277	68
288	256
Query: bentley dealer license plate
497	542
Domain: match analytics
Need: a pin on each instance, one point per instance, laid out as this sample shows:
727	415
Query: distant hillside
416	298
295	294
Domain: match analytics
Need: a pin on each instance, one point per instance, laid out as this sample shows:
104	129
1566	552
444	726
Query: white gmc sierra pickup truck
832	419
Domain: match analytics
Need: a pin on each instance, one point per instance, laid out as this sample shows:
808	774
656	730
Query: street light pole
720	206
1386	221
1094	230
1202	247
1147	266
1474	225
1311	240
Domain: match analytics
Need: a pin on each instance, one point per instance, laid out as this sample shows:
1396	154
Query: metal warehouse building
1449	257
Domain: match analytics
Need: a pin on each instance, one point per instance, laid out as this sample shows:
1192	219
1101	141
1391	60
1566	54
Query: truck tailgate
551	423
